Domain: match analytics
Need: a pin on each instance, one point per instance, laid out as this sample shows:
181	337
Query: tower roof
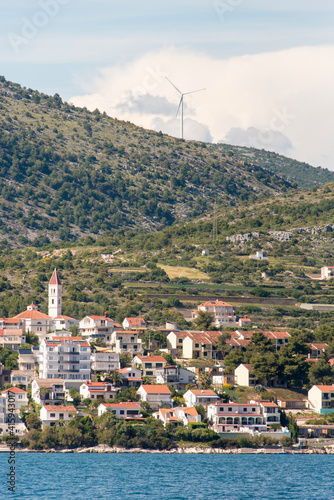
55	278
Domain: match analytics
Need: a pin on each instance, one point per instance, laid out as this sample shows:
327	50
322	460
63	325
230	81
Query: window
159	365
245	409
253	409
52	415
229	408
180	341
197	346
121	412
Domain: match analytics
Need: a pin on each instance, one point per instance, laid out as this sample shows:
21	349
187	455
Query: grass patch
184	272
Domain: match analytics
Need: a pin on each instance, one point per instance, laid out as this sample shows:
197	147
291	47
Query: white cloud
283	100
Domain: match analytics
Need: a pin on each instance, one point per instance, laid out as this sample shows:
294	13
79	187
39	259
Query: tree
33	422
75	395
204	380
265	366
221	346
203	320
232	360
321	372
260	344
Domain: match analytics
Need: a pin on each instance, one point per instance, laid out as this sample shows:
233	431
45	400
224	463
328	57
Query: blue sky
78	48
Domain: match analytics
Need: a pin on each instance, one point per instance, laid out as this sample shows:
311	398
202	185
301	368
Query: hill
67	173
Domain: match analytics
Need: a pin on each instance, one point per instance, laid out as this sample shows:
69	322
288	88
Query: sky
266	66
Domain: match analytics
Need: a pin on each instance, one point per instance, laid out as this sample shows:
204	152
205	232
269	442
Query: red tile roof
14	389
156	389
55	279
218	303
154	359
203	392
31	314
136	321
61	408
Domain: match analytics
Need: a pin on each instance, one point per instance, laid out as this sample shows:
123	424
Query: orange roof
154	359
31	314
60	408
96	318
218	303
203	392
190	410
172	417
14	389
55	279
97	384
136	321
156	389
64	317
325	388
268	405
11	320
11	331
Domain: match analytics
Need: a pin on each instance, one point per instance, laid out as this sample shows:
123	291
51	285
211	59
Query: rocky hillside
67	172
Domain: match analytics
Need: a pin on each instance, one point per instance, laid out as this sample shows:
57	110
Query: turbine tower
181	103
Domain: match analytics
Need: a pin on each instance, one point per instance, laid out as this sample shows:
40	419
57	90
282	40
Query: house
233	419
321	398
15	398
205	252
104	360
149	364
244	322
200	345
65	357
175	342
177	416
12	338
167	416
28	360
220	377
98	390
6	418
126	342
129	410
35	321
63	322
155	395
176	376
195	397
48	391
20	378
327	272
96	327
223	312
259	256
317	350
133	323
279	339
53	414
244	375
290	404
131	377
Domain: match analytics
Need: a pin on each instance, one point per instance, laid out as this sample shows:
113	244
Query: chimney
105	314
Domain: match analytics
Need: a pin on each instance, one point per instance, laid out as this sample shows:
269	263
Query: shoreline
190	450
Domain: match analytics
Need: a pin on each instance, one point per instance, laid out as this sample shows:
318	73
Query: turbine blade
193	91
179	91
178	109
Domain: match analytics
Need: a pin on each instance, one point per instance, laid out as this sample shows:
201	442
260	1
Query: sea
40	476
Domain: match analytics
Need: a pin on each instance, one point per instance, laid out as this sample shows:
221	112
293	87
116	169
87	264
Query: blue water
169	477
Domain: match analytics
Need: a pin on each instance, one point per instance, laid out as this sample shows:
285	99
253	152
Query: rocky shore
102	448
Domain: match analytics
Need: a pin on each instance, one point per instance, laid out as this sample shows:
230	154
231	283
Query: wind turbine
181	102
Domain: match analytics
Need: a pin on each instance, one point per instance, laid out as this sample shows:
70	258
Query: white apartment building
94	327
223	313
127	342
65	357
242	417
104	360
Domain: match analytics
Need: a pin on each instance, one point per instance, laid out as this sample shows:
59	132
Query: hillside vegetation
67	172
